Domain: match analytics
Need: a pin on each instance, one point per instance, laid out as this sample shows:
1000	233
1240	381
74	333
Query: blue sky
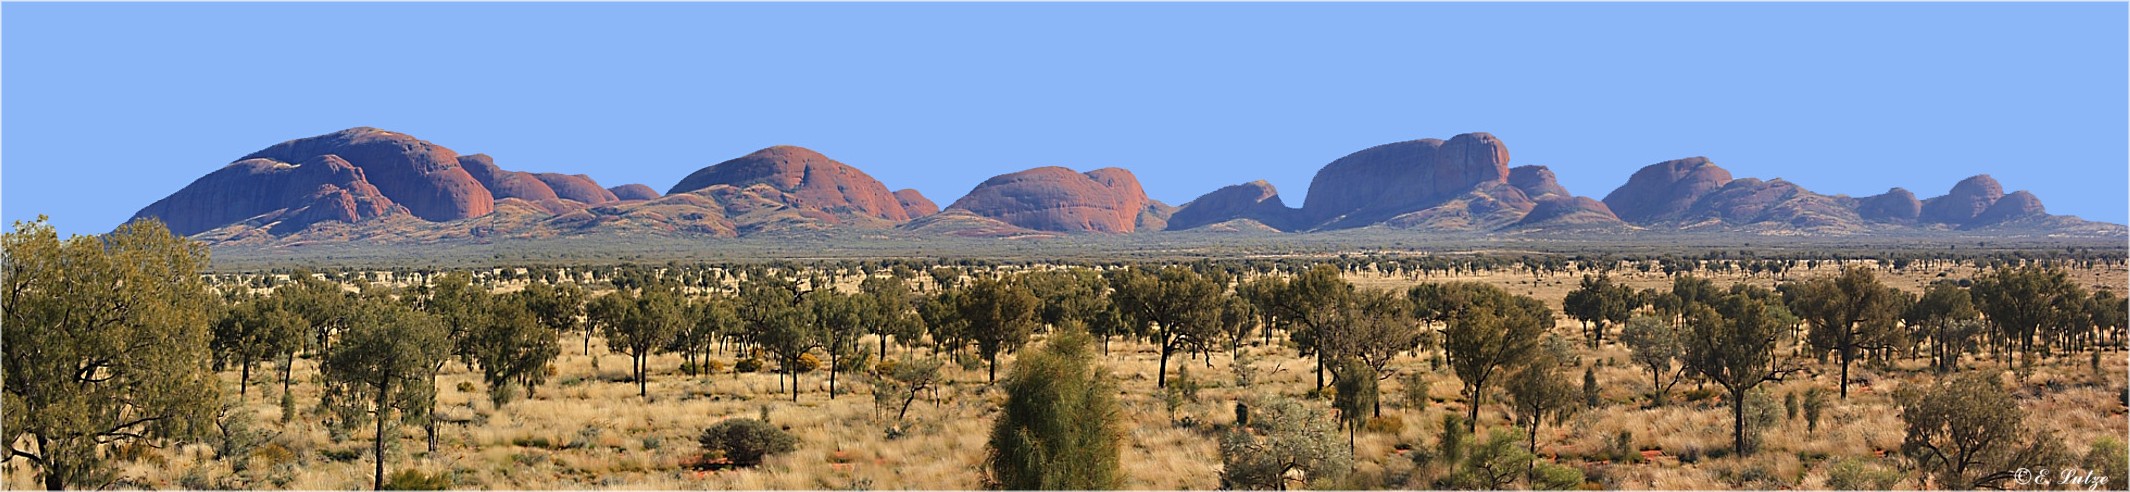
108	107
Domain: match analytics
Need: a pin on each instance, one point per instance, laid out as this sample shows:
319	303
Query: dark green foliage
1356	397
1850	314
1490	332
1061	428
773	311
106	340
513	349
746	441
1733	346
1180	306
999	314
1600	302
385	365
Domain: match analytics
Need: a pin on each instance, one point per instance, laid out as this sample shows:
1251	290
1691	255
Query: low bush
747	441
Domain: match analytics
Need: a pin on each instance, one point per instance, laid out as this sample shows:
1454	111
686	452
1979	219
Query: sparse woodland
127	366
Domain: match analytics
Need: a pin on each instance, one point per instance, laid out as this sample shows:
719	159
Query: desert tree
1490	332
1282	437
1851	313
1734	345
904	380
653	319
774	313
1062	427
385	365
1656	345
558	306
1309	305
1598	302
1946	315
256	330
1180	306
106	344
999	314
1540	389
891	310
513	349
2018	301
1968	432
1356	397
839	323
710	320
606	313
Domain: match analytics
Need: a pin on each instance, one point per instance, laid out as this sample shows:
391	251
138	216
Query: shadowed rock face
424	177
1058	199
1968	199
914	203
633	191
1665	189
1537	182
1392	179
1895	205
2018	205
505	184
1255	200
1568	211
806	178
320	188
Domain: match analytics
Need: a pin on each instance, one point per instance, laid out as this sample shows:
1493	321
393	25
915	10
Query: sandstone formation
320	188
505	184
914	203
1057	199
576	187
1896	205
1537	182
633	191
807	179
1665	189
1256	201
424	177
1968	199
1563	211
1392	179
2018	205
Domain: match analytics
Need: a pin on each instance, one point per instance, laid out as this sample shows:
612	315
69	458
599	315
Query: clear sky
108	107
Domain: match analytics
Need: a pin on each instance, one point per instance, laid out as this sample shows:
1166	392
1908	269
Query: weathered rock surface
263	191
1388	180
1968	199
1057	199
1537	182
806	179
1255	200
914	203
505	184
1896	205
1664	190
2018	205
633	191
424	177
576	187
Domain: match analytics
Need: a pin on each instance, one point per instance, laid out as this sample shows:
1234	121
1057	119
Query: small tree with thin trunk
1061	428
384	366
1735	348
999	314
1490	332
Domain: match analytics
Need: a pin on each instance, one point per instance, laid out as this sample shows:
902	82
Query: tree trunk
1738	423
832	367
794	384
992	358
1471	421
1846	359
244	381
1161	372
378	446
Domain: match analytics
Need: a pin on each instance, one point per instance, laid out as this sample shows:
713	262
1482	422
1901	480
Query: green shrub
1854	474
748	365
1387	424
1549	476
747	441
